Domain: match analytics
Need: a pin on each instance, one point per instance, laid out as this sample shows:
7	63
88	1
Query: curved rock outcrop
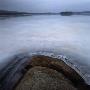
40	72
44	69
43	78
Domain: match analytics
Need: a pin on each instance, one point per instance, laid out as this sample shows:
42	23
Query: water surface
68	36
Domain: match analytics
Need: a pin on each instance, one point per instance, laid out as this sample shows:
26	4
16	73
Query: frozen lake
68	36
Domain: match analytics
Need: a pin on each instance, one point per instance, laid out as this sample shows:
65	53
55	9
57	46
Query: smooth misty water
69	36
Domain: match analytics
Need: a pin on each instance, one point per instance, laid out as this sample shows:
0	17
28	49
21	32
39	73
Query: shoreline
44	15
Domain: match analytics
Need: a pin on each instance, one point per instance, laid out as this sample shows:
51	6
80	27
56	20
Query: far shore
5	13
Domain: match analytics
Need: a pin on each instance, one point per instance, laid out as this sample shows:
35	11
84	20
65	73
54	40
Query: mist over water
69	36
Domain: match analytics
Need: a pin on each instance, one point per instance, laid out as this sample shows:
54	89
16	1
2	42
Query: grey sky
45	5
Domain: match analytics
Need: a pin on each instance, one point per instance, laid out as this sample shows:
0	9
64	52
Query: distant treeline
65	13
11	13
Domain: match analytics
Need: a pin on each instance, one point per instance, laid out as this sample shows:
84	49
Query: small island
69	13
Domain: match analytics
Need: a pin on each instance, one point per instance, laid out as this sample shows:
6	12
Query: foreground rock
43	78
40	72
58	65
50	74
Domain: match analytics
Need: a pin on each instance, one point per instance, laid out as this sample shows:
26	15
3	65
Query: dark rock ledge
40	73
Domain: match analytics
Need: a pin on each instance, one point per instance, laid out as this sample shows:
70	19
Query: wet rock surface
43	78
40	72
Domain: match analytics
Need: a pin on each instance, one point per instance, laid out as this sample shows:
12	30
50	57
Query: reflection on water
67	36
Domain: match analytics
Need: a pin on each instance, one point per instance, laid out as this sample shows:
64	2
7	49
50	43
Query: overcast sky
45	5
